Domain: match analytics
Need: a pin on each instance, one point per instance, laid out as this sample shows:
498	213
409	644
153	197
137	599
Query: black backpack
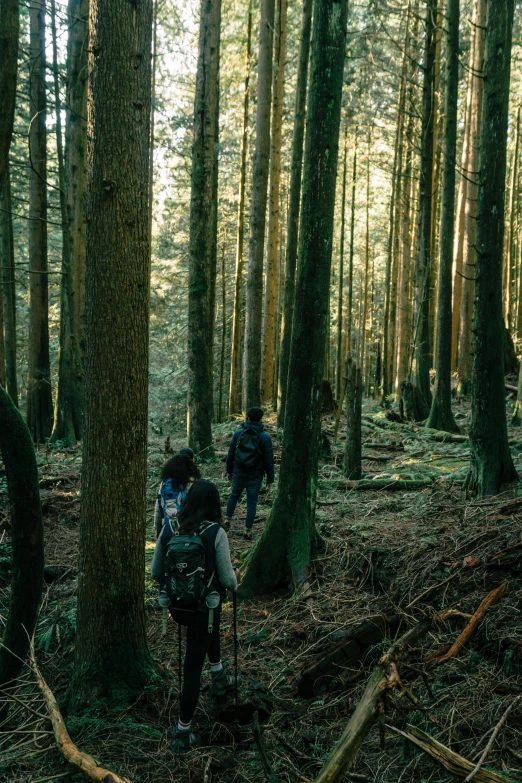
187	577
248	449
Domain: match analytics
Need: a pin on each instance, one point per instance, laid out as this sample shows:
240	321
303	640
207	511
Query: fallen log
390	485
384	678
71	752
453	762
444	437
440	656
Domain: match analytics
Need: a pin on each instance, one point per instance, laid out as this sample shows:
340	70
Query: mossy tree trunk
39	397
285	548
294	205
111	655
203	232
7	273
491	462
9	36
254	294
441	417
19	459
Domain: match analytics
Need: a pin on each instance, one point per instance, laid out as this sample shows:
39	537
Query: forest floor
391	558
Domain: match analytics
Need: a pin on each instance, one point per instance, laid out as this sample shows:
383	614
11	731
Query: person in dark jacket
199	515
246	471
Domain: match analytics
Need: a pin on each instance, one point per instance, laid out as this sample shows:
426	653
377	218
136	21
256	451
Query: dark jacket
267	453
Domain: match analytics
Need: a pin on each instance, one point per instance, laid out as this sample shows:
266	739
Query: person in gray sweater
200	515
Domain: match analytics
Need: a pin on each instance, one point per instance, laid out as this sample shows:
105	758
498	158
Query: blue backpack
171	499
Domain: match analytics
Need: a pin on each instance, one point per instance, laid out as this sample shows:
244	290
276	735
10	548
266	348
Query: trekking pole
179	656
234	602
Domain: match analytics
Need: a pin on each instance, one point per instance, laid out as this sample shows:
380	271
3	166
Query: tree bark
9	35
469	253
272	262
203	232
441	417
286	544
2	339
8	286
294	204
349	305
340	358
19	459
39	397
511	239
111	656
254	295
362	357
223	335
491	462
234	403
352	466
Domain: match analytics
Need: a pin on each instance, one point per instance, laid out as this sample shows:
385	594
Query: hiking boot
226	524
183	741
247	535
222	683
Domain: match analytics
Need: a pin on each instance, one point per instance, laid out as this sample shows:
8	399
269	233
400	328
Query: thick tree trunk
67	411
510	292
9	35
234	404
203	232
294	204
423	285
2	340
491	462
254	297
111	656
286	545
8	286
340	358
272	262
39	397
441	417
19	459
469	253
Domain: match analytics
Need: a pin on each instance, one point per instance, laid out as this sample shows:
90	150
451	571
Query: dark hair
201	505
187	451
255	414
180	468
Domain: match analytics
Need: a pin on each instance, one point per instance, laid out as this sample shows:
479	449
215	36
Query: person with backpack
177	476
250	457
192	559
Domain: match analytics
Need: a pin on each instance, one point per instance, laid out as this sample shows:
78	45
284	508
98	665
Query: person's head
187	452
255	414
181	468
202	504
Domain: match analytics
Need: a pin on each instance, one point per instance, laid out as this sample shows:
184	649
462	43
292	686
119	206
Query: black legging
199	643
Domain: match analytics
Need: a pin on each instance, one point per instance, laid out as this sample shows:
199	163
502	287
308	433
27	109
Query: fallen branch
258	737
66	746
390	485
473	774
456	764
439	656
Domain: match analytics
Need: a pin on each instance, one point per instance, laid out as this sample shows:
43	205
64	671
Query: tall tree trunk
441	417
436	164
286	544
340	359
272	270
469	253
423	258
349	305
511	239
8	286
223	335
254	297
9	35
2	340
203	232
111	656
25	509
352	465
294	204
67	411
491	462
39	397
234	404
362	358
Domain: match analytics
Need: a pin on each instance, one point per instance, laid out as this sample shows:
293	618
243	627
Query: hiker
250	457
177	476
196	544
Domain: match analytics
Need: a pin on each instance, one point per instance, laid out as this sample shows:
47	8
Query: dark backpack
248	449
187	577
171	499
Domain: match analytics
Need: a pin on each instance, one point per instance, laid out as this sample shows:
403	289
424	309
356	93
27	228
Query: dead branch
258	737
390	485
456	764
494	735
439	657
83	761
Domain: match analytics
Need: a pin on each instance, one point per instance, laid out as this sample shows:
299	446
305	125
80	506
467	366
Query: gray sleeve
224	567
158	559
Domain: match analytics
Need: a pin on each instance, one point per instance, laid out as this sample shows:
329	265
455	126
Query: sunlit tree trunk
254	295
39	397
203	232
349	306
339	359
223	335
491	462
362	358
234	403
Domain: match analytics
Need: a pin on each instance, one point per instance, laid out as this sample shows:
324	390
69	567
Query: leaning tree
285	547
